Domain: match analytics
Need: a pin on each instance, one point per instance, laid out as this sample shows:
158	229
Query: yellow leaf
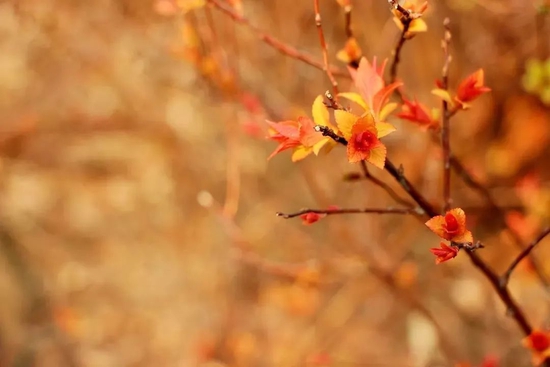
444	95
300	153
317	146
386	110
398	23
319	112
350	52
418	26
343	56
377	156
345	121
383	129
355	97
187	5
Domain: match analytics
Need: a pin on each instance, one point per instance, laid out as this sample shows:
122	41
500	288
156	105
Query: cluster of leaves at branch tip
362	130
417	25
536	79
450	227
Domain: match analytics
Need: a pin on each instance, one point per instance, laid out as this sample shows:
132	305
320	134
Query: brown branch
484	191
407	14
324	48
277	44
367	175
445	121
397	51
327	131
523	254
347	17
459	168
403	211
513	309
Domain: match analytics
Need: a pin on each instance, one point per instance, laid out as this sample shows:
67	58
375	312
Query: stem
383	185
277	44
501	288
397	51
347	15
351	211
324	48
477	186
523	254
445	130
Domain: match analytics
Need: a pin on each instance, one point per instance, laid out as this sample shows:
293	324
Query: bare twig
484	191
327	131
445	123
514	310
523	254
277	44
398	199
332	103
407	14
347	16
324	48
397	52
403	211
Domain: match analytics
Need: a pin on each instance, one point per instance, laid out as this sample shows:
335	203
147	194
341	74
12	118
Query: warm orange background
124	153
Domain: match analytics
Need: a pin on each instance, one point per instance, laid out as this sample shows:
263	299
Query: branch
445	130
399	176
484	191
347	15
513	309
403	211
397	52
327	131
408	16
523	254
322	41
383	185
280	46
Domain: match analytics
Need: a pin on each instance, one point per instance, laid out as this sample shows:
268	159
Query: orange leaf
444	253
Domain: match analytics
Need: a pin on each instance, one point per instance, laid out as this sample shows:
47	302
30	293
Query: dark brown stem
327	131
399	176
398	199
513	309
347	15
445	123
279	45
324	48
484	191
402	211
523	254
407	15
397	51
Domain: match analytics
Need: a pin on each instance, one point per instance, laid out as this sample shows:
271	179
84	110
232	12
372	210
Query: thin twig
398	199
484	191
327	131
347	16
397	51
324	48
445	121
502	290
403	211
407	15
523	254
277	44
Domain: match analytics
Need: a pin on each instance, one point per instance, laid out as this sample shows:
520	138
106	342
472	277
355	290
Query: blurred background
138	206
